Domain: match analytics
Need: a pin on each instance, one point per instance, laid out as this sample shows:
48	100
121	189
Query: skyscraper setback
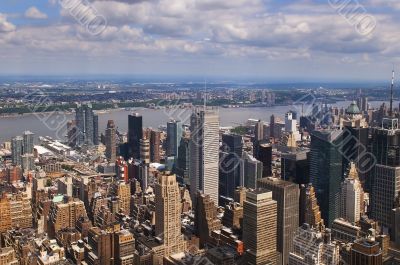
204	152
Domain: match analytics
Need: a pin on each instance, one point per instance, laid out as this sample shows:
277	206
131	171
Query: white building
204	152
352	197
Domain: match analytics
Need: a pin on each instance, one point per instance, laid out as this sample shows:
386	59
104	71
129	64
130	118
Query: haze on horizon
263	39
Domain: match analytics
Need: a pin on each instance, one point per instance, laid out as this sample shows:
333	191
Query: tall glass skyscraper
87	126
326	172
174	135
135	134
28	142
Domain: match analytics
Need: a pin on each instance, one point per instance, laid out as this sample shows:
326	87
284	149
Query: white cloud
5	26
35	13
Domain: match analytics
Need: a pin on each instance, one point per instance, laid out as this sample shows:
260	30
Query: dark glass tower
385	175
263	153
135	134
326	171
229	170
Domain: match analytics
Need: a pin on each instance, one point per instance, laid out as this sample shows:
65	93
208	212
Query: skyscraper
272	127
28	142
229	170
263	153
250	171
295	166
352	197
260	228
145	151
174	135
111	145
259	131
385	175
286	194
168	214
182	166
96	139
204	152
80	125
155	146
89	128
135	134
17	150
326	172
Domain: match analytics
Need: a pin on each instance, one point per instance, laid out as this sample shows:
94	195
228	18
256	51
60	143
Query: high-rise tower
168	214
111	148
260	228
135	134
204	152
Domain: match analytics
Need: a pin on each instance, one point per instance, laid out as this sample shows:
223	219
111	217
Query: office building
111	144
28	142
135	134
174	135
145	151
5	213
263	153
352	196
272	127
250	171
17	150
295	166
168	214
366	251
101	249
28	162
386	172
80	125
229	170
204	153
286	194
182	165
155	138
206	219
260	228
64	213
87	126
124	248
259	131
326	172
311	247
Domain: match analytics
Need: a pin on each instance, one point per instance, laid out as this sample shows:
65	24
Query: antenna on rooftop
391	95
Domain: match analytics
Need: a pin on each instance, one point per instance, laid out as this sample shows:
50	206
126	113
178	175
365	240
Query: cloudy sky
265	39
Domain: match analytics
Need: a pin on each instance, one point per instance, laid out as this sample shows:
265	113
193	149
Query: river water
54	125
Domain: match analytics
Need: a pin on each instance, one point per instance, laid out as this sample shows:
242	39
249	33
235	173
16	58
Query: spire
391	95
353	174
205	94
